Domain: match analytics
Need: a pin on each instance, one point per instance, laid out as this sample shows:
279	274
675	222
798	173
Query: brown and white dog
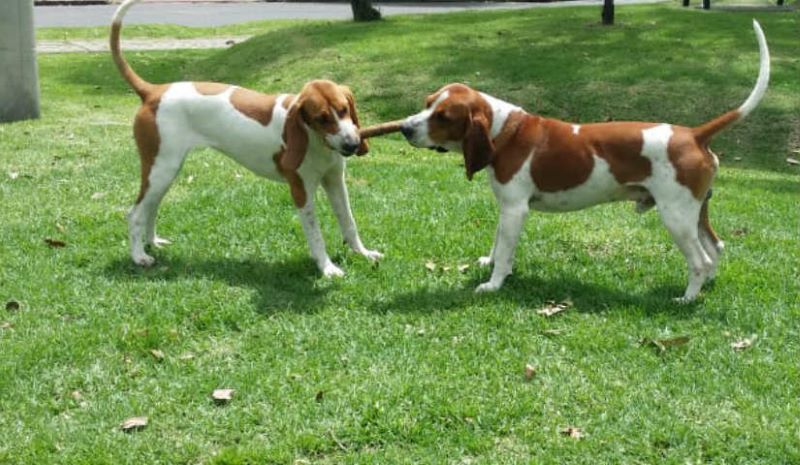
299	139
549	165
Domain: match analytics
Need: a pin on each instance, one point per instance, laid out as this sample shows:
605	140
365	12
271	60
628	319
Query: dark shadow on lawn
285	286
533	292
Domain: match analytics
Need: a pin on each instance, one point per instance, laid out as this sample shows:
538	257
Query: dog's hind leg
156	181
709	239
681	219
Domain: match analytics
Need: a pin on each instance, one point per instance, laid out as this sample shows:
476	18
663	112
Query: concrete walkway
101	45
220	14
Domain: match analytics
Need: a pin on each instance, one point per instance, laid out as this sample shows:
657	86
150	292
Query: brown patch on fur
296	186
561	161
254	105
148	140
511	146
620	145
694	165
705	132
210	88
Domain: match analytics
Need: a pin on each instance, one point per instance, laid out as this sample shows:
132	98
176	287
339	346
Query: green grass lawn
395	363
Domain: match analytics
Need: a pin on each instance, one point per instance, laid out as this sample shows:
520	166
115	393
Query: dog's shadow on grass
533	292
289	285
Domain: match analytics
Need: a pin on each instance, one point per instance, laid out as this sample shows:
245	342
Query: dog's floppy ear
295	138
363	147
478	147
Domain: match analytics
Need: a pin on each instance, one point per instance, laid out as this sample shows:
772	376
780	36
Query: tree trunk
608	12
685	2
706	4
364	11
19	78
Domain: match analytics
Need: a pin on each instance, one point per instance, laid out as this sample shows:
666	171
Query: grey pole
19	79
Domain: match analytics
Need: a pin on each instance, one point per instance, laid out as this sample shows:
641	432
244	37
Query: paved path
219	14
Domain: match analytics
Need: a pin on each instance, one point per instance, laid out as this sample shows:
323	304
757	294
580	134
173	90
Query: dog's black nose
349	148
407	131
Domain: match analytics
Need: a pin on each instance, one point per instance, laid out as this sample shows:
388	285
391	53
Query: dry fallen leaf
793	161
663	344
222	395
737	158
553	308
463	268
742	344
446	268
186	356
6	325
740	232
530	372
553	332
157	354
571	431
133	424
12	305
55	243
430	266
13	175
76	395
98	195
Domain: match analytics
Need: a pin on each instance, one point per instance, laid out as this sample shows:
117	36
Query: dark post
364	11
19	79
608	12
685	2
706	4
780	2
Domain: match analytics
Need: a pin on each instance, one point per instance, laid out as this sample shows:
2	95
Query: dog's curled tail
704	132
142	87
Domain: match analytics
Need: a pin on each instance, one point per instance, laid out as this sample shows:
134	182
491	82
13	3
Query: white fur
187	119
763	74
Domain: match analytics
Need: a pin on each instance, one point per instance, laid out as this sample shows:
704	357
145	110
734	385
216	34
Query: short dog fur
298	139
549	165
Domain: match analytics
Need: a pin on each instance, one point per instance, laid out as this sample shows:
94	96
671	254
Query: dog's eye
342	113
324	118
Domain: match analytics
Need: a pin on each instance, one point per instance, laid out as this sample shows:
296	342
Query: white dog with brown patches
550	165
300	139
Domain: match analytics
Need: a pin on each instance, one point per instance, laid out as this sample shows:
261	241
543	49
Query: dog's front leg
336	189
512	219
316	243
489	259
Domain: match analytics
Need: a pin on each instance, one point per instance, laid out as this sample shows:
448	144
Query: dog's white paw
160	242
684	300
144	260
487	287
372	255
332	271
485	261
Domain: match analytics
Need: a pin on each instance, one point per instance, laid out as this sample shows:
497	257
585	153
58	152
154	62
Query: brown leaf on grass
446	268
98	195
553	332
463	268
742	344
76	395
133	424
222	395
663	344
55	243
530	372
186	356
430	266
793	161
6	325
573	432
61	228
553	308
157	354
740	232
13	175
12	305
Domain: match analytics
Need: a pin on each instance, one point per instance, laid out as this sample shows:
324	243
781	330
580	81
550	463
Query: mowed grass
395	363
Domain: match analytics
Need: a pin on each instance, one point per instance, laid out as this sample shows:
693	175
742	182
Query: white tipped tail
142	87
706	131
763	74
